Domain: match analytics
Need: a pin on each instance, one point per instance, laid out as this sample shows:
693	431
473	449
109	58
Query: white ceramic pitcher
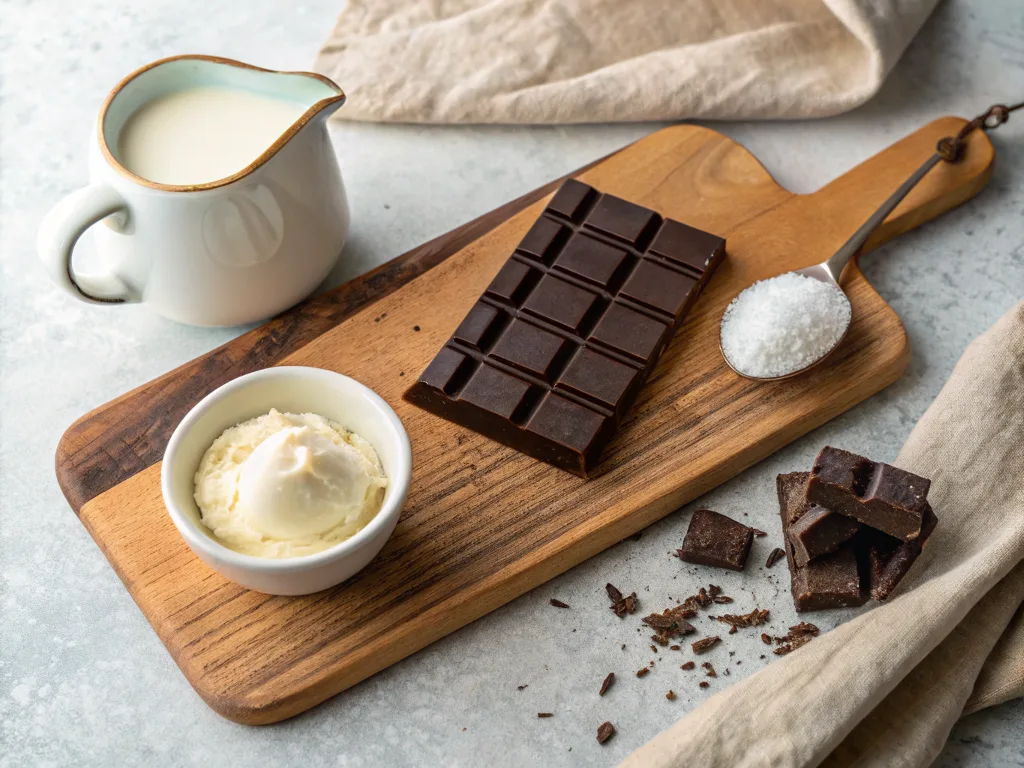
225	252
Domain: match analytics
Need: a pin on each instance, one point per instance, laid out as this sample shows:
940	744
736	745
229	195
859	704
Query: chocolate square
530	349
543	240
831	581
496	392
622	219
598	378
889	559
561	303
479	327
512	283
716	540
628	332
879	495
820	531
687	246
572	200
659	288
592	260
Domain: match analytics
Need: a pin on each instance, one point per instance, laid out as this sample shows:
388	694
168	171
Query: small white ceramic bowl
294	390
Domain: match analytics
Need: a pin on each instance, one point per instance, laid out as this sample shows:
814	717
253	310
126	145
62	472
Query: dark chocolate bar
889	559
553	354
820	531
881	496
717	540
831	581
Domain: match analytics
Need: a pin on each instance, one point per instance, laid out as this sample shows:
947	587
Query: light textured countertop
84	679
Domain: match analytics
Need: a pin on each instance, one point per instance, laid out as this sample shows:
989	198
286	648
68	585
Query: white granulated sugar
783	324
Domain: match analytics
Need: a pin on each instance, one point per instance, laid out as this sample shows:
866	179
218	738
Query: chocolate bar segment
820	531
889	559
716	540
552	356
831	581
881	496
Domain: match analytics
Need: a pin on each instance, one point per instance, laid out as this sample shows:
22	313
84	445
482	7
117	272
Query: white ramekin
295	390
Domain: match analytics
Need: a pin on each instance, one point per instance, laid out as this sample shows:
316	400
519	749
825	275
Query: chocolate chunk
642	671
558	603
705	644
687	666
832	581
606	684
766	639
881	496
774	556
714	539
818	532
552	356
620	605
798	635
604	732
889	559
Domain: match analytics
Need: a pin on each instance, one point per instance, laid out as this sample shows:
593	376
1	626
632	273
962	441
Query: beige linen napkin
886	687
582	61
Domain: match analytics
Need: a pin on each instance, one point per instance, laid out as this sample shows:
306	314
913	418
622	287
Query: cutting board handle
852	197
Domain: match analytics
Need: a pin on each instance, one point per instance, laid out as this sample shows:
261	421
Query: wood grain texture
484	524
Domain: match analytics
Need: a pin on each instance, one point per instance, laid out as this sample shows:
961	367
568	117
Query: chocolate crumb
688	666
709	669
623	646
654	647
401	373
774	556
545	714
606	684
521	687
604	732
620	605
705	644
732	653
721	599
798	635
642	671
675	648
558	603
704	683
727	672
758	533
752	619
416	328
732	630
671	695
766	639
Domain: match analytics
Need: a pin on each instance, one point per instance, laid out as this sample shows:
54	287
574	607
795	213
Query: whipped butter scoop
284	485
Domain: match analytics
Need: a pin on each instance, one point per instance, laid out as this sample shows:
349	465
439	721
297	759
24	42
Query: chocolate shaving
606	684
688	666
706	643
671	695
642	671
752	619
766	638
722	599
545	714
604	732
621	605
774	556
670	623
798	635
558	603
674	648
709	669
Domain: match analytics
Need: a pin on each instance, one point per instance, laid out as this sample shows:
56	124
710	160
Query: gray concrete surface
83	678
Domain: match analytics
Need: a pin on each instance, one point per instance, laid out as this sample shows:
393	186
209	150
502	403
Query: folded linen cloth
886	687
581	61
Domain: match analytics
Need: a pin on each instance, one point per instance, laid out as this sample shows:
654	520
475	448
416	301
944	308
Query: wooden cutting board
484	524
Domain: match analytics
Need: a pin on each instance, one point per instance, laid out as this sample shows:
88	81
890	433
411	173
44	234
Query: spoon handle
840	258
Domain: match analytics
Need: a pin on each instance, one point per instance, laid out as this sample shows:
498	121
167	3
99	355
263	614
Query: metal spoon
829	271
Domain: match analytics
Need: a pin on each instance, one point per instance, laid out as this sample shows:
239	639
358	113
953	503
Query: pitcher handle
59	232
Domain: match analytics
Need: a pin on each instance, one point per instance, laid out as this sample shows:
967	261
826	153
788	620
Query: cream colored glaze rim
272	150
